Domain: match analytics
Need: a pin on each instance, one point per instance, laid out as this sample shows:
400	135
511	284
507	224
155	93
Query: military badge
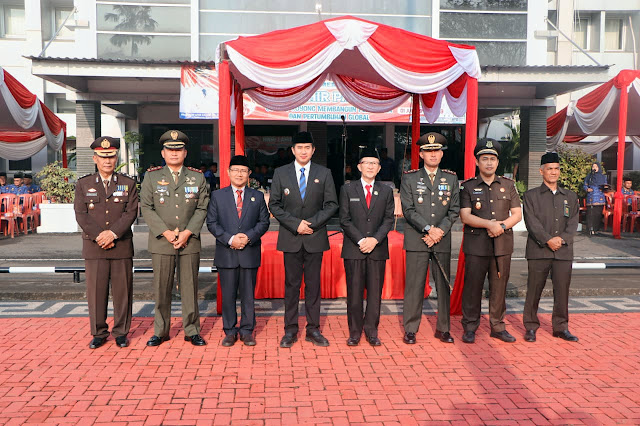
443	180
375	192
316	180
190	180
253	198
161	200
91	206
444	202
174	135
92	190
163	182
501	189
478	205
116	200
420	199
286	191
105	144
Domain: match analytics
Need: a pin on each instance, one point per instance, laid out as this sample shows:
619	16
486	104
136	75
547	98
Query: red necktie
368	198
239	202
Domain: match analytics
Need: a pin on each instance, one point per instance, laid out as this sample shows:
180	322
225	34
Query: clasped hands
239	241
554	243
495	230
305	228
434	236
106	239
368	244
178	240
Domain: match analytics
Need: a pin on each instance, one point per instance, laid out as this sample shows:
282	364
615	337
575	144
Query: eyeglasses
370	163
240	171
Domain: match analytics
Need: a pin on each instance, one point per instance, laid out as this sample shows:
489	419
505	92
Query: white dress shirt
307	167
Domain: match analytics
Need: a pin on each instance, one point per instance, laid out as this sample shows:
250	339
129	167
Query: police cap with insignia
487	146
432	141
550	157
105	146
174	139
239	160
369	153
302	137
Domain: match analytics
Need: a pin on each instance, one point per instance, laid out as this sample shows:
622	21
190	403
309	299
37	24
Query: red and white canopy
602	112
26	124
374	66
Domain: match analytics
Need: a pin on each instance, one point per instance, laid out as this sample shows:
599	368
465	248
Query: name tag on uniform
477	191
91	194
566	209
354	199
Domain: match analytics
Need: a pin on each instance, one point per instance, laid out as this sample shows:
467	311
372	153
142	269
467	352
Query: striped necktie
303	183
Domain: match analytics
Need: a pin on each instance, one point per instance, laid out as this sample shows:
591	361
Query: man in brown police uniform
489	208
106	204
551	216
430	203
174	201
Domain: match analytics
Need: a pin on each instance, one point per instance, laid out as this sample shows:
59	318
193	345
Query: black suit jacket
286	205
359	221
223	223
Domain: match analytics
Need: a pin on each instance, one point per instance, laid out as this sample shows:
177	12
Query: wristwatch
503	226
426	229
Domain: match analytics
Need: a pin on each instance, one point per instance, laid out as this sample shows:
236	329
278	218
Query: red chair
607	210
633	214
27	215
38	198
8	222
582	211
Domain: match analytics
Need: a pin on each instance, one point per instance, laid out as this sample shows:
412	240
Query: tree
131	18
55	181
575	165
133	142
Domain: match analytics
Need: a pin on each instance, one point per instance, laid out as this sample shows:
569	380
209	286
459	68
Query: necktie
106	185
432	177
175	176
303	183
368	198
239	202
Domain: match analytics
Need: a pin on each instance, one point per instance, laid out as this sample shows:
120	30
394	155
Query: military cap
239	160
302	137
18	175
105	146
431	141
369	152
487	146
174	139
550	157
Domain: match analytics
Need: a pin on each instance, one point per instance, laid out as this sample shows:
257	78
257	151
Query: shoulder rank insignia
126	175
153	169
411	171
84	176
449	171
504	177
194	170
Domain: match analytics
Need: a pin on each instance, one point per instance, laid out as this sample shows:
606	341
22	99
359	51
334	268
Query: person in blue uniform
32	188
593	185
17	187
3	182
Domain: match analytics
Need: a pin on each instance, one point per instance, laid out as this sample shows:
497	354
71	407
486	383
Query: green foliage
510	154
133	140
521	187
575	165
55	181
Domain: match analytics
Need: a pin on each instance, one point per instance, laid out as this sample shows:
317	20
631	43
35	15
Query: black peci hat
302	137
174	139
487	146
105	146
432	141
239	160
18	175
550	157
369	152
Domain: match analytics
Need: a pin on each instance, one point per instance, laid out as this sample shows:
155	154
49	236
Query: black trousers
561	278
98	273
364	274
594	218
415	281
232	279
295	266
475	270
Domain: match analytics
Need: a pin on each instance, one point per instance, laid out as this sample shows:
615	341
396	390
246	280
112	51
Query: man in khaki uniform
174	201
106	204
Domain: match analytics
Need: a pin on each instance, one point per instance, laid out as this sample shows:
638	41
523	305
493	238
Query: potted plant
57	215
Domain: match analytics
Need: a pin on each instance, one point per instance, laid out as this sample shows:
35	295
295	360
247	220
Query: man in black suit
366	217
238	217
303	199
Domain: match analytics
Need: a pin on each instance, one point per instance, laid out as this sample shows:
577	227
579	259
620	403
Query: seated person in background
3	182
627	189
348	173
32	188
257	175
17	187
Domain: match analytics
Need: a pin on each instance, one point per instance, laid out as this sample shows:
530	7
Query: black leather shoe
122	341
409	338
374	341
530	336
248	339
196	340
444	336
469	337
565	335
229	340
288	340
503	335
157	341
353	341
96	342
316	338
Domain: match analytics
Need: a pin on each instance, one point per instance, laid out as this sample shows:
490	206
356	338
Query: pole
622	136
415	131
224	123
239	120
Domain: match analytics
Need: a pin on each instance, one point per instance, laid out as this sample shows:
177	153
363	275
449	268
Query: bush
575	165
55	182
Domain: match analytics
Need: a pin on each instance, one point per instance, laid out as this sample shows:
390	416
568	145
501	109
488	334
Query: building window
12	21
581	32
59	15
20	165
613	29
62	106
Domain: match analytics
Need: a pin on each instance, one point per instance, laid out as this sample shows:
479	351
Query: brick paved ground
48	375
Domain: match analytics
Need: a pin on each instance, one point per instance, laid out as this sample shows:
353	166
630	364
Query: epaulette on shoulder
411	171
84	176
126	175
194	169
504	177
470	179
153	169
449	171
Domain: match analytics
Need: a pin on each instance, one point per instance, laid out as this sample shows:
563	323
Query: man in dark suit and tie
238	218
366	217
303	199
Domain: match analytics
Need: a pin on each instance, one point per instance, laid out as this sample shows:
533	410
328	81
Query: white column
195	30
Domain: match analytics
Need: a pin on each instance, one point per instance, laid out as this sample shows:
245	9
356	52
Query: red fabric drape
17	137
622	136
224	123
457	87
469	171
429	99
415	131
20	93
590	101
556	121
370	90
283	93
239	120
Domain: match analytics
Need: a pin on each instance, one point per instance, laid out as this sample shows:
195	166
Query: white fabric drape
24	117
286	103
458	106
22	150
592	148
590	122
351	33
